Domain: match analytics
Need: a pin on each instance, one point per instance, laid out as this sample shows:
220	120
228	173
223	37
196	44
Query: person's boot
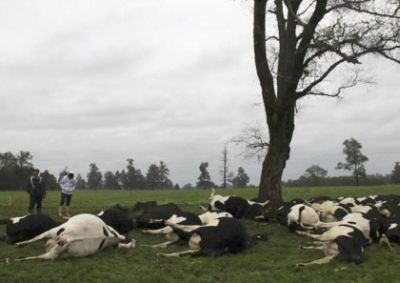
67	214
60	211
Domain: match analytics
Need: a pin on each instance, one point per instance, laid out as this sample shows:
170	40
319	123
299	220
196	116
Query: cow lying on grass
187	219
151	216
238	207
81	235
118	218
223	235
343	242
26	227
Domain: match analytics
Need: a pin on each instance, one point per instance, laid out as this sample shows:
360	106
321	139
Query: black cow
224	235
139	207
152	216
281	213
319	199
26	227
118	218
391	228
238	207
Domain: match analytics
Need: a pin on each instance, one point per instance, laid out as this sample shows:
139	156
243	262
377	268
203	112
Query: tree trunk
281	132
356	174
271	174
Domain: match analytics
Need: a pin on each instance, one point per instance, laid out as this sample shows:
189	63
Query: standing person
36	191
67	183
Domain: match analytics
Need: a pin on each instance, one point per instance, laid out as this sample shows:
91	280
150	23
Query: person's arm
44	191
29	186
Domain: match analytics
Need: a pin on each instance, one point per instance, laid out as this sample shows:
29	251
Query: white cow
81	235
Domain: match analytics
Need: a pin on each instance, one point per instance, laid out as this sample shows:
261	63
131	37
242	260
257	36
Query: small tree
396	173
49	180
157	177
94	177
354	159
204	178
134	178
224	170
241	179
80	183
110	181
314	173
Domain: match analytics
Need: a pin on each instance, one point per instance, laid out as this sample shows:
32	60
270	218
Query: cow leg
329	224
161	245
184	228
317	261
53	253
154	221
311	248
384	240
177	253
165	230
212	193
203	208
52	233
323	237
308	234
43	257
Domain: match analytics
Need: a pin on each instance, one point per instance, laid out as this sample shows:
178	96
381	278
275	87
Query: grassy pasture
269	261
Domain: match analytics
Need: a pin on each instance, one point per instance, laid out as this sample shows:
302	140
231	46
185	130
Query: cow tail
300	212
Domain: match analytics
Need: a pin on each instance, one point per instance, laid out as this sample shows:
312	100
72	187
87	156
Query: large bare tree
303	47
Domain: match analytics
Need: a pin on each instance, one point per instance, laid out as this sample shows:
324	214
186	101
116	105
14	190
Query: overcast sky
102	81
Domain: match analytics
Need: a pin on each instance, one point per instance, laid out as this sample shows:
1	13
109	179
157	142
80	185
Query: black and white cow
329	211
224	235
302	216
343	242
369	227
151	216
118	218
187	219
238	207
280	214
368	211
391	228
82	235
26	227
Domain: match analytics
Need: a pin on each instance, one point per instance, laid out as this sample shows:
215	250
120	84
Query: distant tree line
318	176
15	170
130	178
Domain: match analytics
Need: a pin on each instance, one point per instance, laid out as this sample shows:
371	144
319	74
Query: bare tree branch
262	67
253	142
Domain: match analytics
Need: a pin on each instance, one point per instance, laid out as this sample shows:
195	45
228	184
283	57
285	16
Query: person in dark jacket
36	191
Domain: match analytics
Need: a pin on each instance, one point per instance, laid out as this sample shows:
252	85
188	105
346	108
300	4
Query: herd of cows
341	227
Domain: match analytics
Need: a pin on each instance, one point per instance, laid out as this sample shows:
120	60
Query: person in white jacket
67	184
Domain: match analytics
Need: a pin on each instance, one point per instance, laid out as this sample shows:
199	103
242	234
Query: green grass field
269	261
